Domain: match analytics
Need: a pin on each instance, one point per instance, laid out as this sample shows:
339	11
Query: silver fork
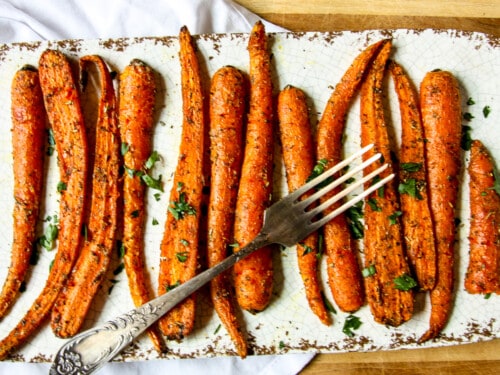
286	222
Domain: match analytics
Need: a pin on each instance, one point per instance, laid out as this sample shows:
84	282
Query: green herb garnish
393	219
405	282
351	323
411	167
181	207
486	111
182	256
369	271
410	187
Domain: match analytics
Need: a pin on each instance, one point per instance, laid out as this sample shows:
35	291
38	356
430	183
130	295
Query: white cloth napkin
25	20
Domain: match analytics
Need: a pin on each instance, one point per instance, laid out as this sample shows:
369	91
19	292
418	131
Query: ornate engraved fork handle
88	351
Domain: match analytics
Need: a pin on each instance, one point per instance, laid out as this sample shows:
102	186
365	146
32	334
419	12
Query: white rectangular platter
313	62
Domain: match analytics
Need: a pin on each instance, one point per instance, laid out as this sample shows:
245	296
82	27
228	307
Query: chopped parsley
466	140
354	215
470	101
51	141
372	202
181	207
153	183
411	167
405	282
318	169
124	148
61	186
393	219
173	286
369	271
48	239
410	187
351	323
307	249
496	186
468	116
153	158
486	111
182	256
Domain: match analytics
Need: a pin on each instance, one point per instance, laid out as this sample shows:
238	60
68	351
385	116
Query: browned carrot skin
227	110
483	271
441	118
418	227
28	127
254	275
298	154
72	304
62	104
179	247
136	108
344	276
383	242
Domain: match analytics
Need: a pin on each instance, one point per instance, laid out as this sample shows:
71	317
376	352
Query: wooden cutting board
337	15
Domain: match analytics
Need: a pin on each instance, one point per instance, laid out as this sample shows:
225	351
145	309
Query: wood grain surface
336	15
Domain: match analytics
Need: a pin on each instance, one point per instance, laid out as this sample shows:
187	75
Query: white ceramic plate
313	62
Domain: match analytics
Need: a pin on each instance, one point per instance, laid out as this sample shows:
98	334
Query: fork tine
328	173
321	192
323	206
319	223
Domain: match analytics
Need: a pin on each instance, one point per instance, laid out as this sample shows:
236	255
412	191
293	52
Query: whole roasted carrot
298	154
227	110
389	303
483	271
179	247
418	227
344	276
441	119
136	109
28	128
62	103
254	275
73	302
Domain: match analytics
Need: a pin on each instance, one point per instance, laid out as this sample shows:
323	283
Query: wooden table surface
336	15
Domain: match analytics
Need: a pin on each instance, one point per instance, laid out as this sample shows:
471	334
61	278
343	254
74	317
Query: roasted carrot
254	275
227	111
483	271
72	304
418	227
441	119
179	247
136	110
62	103
28	127
344	276
383	240
299	157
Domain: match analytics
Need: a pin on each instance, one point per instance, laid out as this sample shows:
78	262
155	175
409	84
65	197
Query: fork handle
86	352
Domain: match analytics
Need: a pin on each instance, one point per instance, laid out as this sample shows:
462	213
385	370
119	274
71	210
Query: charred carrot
298	155
418	227
254	275
62	103
28	127
136	106
72	304
483	271
179	247
227	111
441	119
344	275
389	302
